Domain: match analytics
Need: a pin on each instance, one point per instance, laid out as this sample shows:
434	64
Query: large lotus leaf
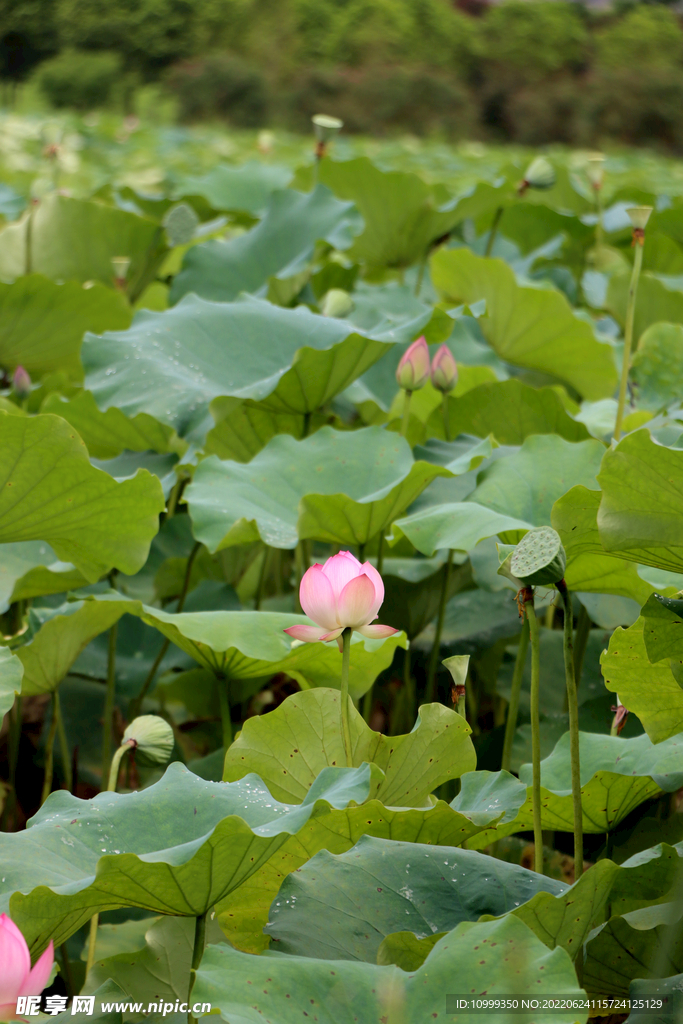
342	907
244	188
412	589
491	959
73	239
289	747
109	1000
241	431
642	944
403	215
667	989
527	483
292	489
530	327
458	525
42	323
250	645
174	848
107	434
641	511
589	567
172	364
654	302
280	245
32	569
51	492
650	691
509	410
662	619
657	367
11	672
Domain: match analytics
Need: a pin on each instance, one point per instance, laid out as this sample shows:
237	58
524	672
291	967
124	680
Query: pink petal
376	579
340	570
318	598
333	635
356	601
15	960
308	633
377	632
40	975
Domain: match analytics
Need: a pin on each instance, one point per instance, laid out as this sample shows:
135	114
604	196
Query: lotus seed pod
540	174
180	222
336	303
639	216
152	738
121	266
326	127
505	570
539	559
595	169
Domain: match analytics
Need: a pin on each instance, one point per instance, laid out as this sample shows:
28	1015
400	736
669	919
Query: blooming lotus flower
338	595
444	370
413	370
16	977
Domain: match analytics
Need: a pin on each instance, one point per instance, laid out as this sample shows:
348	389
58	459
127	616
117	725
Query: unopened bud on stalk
412	372
151	737
595	170
120	266
639	216
21	382
458	666
325	128
539	174
444	370
336	303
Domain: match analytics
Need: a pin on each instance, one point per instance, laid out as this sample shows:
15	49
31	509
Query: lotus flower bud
539	559
21	382
326	127
595	170
412	372
444	370
336	303
151	737
639	216
539	174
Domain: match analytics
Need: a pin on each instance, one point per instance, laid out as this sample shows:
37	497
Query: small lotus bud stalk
620	716
595	170
120	266
412	374
336	303
539	174
21	382
151	737
325	128
444	370
458	666
639	216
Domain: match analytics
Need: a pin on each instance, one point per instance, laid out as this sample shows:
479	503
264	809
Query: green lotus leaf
527	483
280	245
32	569
73	239
43	323
495	958
662	619
412	589
11	673
342	907
641	512
110	995
657	367
289	747
530	327
656	302
405	950
291	489
241	431
509	410
107	434
244	188
175	848
50	492
589	567
650	691
668	989
402	214
458	525
171	365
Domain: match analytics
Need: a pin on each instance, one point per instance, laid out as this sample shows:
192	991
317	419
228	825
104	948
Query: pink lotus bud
21	382
16	977
338	595
413	370
444	370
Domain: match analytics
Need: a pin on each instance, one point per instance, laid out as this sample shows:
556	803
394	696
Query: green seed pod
504	567
540	174
152	738
639	216
120	266
539	559
336	303
326	127
180	223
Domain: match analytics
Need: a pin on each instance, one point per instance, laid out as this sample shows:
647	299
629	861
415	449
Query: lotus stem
14	740
261	579
515	691
574	745
444	409
528	599
197	954
494	231
628	336
430	694
346	729
116	764
66	971
110	694
49	754
406	414
583	632
174	496
92	939
63	744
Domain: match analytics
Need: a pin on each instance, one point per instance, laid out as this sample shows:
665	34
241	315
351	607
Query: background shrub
220	86
80	80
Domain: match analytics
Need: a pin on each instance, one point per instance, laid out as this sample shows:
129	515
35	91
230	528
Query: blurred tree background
527	71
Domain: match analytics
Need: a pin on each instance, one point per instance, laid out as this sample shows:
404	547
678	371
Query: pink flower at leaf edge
16	976
338	595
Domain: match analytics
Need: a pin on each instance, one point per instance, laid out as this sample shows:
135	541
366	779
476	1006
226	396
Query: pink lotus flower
338	595
412	372
444	370
16	977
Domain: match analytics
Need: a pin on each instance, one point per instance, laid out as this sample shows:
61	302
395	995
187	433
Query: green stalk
574	748
49	754
261	580
494	230
515	691
406	414
583	632
528	599
14	741
628	336
224	701
108	716
430	693
116	764
92	939
197	954
66	971
346	729
174	496
63	744
444	409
